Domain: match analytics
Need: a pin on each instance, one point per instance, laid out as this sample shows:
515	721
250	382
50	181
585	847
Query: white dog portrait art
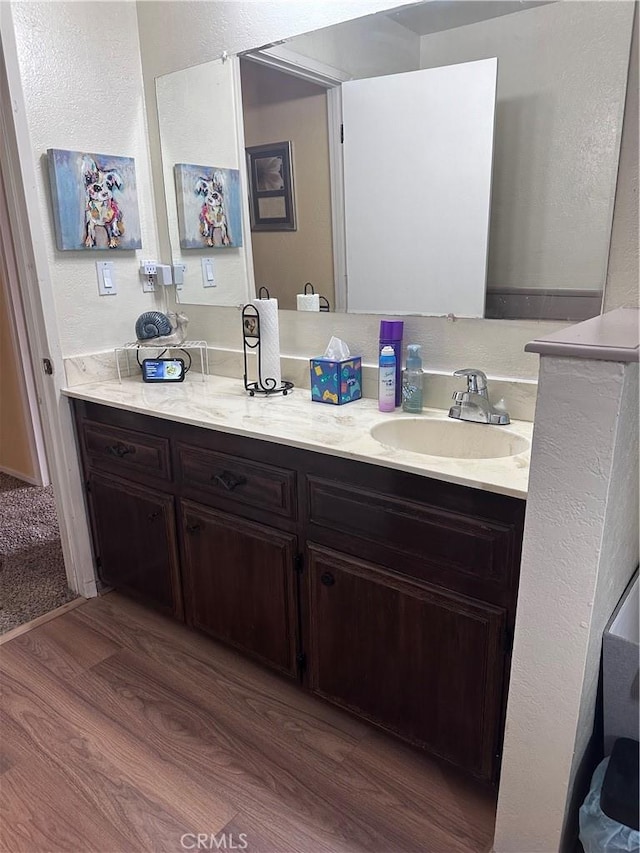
208	199
94	198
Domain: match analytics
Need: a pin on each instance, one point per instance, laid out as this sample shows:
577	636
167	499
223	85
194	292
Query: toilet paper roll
308	301
269	341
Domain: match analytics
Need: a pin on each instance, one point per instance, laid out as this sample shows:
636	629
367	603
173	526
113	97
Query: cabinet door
136	542
240	583
421	663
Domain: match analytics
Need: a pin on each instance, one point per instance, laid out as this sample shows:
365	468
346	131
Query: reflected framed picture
209	206
271	197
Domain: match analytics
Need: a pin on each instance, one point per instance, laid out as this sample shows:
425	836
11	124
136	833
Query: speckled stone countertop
222	404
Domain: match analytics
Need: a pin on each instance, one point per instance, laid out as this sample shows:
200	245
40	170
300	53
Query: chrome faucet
473	404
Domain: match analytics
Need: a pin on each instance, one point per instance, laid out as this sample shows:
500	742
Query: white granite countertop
222	404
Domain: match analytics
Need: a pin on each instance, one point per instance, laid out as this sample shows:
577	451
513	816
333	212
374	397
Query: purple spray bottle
391	332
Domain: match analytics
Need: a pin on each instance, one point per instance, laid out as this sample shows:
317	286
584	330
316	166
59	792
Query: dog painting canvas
209	215
95	204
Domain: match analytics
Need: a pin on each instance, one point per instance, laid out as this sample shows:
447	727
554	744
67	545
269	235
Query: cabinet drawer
252	483
126	451
455	543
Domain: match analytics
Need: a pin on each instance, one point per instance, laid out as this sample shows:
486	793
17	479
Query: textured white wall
555	165
580	549
83	91
619	551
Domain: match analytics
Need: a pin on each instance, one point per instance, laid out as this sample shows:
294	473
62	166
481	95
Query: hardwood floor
121	730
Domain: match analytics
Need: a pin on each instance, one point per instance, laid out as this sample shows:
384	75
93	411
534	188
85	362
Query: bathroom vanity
387	592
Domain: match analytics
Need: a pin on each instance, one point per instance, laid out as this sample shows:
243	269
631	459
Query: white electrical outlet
106	278
208	277
148	271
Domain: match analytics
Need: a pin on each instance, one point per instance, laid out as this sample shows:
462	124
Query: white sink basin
450	438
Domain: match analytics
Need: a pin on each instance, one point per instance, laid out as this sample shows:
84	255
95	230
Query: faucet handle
476	379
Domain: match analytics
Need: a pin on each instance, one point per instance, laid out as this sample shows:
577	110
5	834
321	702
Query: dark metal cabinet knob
327	579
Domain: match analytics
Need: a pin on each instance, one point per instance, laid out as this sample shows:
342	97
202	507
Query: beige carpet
32	576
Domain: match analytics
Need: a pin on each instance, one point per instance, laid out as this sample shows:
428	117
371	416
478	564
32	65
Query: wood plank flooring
121	730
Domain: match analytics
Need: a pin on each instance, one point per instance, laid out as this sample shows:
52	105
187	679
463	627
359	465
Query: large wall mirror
537	175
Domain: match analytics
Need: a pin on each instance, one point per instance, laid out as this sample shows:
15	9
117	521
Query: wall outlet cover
148	271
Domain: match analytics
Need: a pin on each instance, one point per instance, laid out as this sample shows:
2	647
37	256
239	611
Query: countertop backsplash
519	394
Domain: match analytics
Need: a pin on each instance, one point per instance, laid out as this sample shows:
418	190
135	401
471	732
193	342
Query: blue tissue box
336	382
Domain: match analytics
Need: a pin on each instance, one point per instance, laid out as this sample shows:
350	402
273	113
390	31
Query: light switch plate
178	275
106	278
208	272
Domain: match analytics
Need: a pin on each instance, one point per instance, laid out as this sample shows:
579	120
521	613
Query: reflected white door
418	150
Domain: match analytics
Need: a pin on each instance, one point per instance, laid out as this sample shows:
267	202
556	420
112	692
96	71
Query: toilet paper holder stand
251	346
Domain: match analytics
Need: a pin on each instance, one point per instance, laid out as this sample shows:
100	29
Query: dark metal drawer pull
194	528
153	515
327	579
228	480
120	449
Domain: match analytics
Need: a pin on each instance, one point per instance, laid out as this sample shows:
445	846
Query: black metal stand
251	344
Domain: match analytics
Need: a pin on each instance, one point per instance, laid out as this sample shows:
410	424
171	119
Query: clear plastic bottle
412	381
387	380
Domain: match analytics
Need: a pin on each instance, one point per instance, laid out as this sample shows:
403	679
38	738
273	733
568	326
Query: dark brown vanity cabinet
135	540
388	594
239	584
425	664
